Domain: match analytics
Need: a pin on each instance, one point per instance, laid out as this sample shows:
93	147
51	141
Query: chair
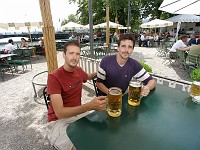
181	57
46	97
3	68
19	59
94	80
100	53
193	62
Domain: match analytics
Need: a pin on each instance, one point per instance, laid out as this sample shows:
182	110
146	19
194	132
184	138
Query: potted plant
195	87
146	67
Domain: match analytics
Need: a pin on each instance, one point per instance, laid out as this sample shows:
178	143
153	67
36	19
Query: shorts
56	132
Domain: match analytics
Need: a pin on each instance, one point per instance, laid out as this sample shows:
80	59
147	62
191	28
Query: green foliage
195	75
146	67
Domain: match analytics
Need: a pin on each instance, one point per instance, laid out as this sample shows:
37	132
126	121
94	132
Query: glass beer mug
114	98
134	93
195	89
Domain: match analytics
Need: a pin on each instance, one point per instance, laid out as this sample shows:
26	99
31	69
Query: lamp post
129	11
91	27
107	23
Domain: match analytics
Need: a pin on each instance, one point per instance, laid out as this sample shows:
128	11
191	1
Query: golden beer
114	102
134	93
195	89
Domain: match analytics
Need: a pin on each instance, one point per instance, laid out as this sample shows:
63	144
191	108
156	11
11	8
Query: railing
90	65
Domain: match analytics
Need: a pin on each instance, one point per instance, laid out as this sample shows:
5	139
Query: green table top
165	120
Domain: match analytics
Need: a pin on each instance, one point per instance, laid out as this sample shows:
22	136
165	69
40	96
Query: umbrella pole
107	23
49	35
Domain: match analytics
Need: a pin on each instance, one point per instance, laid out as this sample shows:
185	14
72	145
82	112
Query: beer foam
196	83
115	91
135	84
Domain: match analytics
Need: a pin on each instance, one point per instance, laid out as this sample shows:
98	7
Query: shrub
195	75
146	67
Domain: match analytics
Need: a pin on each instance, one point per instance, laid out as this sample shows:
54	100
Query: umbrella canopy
184	18
111	25
17	25
156	23
181	6
72	26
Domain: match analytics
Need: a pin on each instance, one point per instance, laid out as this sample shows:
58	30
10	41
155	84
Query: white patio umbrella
156	23
181	6
12	26
72	26
111	25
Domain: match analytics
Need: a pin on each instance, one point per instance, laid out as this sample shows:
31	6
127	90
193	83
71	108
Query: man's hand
145	90
98	103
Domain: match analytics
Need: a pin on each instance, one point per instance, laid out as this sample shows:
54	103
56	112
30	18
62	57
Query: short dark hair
198	41
184	36
126	36
69	43
10	41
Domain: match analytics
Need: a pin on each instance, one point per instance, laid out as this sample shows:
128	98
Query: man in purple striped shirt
118	70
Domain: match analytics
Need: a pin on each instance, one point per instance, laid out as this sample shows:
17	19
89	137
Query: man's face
184	40
72	56
125	48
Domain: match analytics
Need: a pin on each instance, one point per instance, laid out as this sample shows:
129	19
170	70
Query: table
166	120
7	55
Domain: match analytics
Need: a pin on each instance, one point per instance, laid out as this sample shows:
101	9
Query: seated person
23	43
143	39
179	45
9	47
64	86
118	70
195	49
192	40
41	42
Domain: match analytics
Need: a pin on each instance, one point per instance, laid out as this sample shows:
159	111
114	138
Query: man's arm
150	85
98	103
91	75
102	87
184	49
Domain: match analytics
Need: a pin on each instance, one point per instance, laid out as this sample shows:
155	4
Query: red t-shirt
69	85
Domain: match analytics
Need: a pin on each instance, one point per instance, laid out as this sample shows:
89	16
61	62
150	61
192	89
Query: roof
184	18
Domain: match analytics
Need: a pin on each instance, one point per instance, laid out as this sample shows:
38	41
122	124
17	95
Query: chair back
46	97
94	80
194	59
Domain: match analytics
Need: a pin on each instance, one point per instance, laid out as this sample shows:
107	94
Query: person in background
179	45
23	43
64	86
9	47
195	49
41	42
118	70
192	40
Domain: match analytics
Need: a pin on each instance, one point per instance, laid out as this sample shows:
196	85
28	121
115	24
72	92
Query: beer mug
114	98
195	89
134	93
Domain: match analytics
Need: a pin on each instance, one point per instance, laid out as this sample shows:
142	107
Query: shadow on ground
25	131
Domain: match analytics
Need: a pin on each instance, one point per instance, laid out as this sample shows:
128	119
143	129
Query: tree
119	10
71	18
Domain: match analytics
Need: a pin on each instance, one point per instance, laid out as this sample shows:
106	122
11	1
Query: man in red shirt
64	87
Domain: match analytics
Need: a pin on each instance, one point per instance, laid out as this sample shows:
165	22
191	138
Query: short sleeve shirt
110	73
178	44
68	84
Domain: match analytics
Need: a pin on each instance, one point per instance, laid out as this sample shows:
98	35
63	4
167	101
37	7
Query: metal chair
193	62
94	80
46	97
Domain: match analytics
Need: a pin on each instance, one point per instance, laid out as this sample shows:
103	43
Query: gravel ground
23	119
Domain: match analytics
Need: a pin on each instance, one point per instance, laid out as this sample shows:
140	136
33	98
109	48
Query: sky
29	10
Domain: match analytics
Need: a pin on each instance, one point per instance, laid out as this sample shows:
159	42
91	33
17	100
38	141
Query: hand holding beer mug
114	101
134	93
